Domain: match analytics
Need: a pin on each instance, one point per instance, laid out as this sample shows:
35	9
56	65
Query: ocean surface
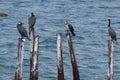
89	19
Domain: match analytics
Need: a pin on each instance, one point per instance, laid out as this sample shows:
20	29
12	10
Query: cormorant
22	30
32	20
69	27
112	32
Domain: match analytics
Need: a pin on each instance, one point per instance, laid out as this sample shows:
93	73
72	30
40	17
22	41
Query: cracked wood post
34	44
60	58
32	37
18	72
35	58
110	59
73	59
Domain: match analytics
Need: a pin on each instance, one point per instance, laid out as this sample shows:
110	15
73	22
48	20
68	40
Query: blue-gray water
89	18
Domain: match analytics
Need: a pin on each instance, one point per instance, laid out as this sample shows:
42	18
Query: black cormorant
32	20
69	27
112	32
22	30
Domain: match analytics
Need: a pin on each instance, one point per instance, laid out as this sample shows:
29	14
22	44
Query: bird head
66	22
19	23
32	14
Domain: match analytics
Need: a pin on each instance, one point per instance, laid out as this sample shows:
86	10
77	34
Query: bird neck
66	23
109	24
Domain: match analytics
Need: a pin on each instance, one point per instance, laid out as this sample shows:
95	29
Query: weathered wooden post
34	45
73	59
60	58
35	58
18	72
110	59
32	37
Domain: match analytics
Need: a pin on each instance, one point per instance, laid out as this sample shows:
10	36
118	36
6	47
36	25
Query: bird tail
117	43
73	33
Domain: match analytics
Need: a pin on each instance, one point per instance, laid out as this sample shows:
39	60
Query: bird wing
112	33
31	21
71	27
22	31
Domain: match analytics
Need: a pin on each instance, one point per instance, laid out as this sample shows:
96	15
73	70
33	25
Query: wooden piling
32	37
110	59
33	55
73	59
18	72
35	58
60	58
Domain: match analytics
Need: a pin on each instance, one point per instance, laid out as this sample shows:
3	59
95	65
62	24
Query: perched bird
32	20
69	27
111	31
22	30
